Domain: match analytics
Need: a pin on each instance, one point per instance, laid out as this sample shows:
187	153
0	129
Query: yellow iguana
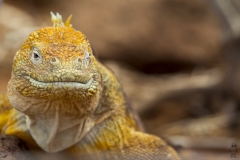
61	99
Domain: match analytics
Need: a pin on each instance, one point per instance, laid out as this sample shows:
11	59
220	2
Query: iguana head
55	62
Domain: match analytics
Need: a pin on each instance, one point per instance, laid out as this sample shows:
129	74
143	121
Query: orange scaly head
55	62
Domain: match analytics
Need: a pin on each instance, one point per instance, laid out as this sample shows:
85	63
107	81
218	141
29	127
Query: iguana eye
86	58
36	56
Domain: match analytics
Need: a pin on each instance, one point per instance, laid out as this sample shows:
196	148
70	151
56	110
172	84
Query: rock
12	148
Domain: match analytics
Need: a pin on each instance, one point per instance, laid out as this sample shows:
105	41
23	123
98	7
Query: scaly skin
61	99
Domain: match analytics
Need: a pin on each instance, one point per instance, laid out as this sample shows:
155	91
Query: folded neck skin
49	121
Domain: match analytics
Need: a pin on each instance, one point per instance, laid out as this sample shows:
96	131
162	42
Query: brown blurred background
177	60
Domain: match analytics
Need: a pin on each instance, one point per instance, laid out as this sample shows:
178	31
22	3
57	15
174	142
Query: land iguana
62	99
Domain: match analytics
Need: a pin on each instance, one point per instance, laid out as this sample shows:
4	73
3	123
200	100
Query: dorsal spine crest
58	21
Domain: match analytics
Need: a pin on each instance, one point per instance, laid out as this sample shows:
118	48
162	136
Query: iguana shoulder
4	103
5	110
118	138
13	122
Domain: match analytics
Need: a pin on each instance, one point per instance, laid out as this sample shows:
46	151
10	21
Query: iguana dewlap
61	99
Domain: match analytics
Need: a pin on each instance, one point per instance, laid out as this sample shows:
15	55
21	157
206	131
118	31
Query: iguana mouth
60	84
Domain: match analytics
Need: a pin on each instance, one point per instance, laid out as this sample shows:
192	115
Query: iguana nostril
78	61
54	61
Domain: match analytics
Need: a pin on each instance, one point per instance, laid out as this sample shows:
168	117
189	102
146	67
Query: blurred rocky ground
175	58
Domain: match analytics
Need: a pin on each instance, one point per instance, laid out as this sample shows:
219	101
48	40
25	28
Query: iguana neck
49	121
50	132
